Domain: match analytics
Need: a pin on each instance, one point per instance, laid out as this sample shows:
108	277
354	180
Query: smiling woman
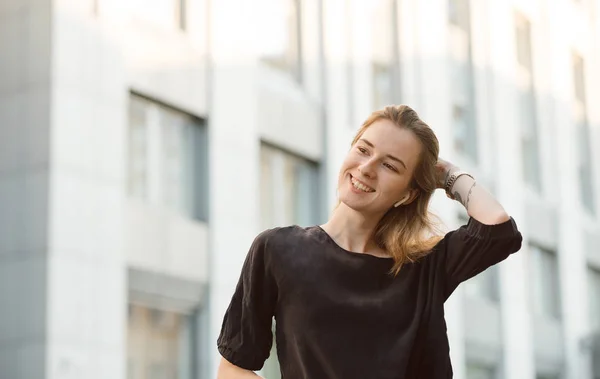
362	296
393	154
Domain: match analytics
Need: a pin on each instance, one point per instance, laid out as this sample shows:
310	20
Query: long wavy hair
409	232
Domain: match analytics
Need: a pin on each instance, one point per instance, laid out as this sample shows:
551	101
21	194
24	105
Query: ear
412	196
401	201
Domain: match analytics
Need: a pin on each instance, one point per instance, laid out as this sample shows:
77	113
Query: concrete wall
86	273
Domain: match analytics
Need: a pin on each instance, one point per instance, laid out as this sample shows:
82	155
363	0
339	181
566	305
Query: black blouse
340	315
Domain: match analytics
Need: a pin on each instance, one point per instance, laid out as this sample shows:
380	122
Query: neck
353	230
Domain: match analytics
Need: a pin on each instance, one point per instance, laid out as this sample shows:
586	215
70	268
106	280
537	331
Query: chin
355	205
361	206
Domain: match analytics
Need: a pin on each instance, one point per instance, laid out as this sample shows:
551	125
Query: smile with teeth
359	186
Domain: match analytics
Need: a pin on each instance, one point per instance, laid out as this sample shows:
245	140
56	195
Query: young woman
362	296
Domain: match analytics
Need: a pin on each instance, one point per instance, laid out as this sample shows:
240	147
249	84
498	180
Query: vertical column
25	34
572	260
593	92
515	305
86	287
433	87
336	49
234	156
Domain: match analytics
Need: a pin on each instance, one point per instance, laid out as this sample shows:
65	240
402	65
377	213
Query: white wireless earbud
402	201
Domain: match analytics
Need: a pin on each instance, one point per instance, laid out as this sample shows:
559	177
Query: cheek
395	187
347	164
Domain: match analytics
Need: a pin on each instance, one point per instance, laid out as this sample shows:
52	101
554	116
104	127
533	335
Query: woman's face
379	167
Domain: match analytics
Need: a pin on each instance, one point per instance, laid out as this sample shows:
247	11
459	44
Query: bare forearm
228	370
479	203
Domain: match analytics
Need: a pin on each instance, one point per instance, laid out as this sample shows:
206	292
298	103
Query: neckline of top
353	253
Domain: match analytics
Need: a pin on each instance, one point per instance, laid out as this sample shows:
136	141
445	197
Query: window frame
531	161
547	296
282	161
150	330
191	198
465	135
583	142
290	59
593	276
385	59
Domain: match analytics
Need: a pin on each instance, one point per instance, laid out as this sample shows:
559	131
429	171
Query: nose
367	168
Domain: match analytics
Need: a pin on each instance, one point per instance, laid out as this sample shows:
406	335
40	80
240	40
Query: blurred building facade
144	144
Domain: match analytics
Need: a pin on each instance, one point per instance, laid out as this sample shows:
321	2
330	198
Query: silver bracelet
452	179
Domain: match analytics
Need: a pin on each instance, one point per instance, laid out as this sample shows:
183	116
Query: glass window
385	55
545	282
350	71
594	297
459	13
529	139
547	376
463	138
158	344
289	189
464	130
382	85
166	13
523	33
181	13
585	170
477	371
526	102
578	78
583	140
280	36
138	149
167	160
485	284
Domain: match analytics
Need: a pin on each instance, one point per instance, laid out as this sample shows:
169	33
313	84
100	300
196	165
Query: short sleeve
246	335
474	247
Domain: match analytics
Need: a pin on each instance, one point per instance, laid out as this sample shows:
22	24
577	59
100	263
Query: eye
362	150
389	166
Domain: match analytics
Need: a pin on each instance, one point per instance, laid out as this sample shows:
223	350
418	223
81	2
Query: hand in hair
444	169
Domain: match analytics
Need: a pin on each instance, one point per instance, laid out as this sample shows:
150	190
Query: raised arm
479	203
489	237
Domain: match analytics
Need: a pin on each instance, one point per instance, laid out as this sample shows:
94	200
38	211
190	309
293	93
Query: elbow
492	218
501	217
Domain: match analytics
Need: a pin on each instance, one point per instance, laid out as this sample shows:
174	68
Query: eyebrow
389	155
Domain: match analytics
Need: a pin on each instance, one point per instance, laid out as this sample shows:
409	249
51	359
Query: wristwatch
452	179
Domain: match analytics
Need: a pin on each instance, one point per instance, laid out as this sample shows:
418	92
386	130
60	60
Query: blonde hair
409	232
